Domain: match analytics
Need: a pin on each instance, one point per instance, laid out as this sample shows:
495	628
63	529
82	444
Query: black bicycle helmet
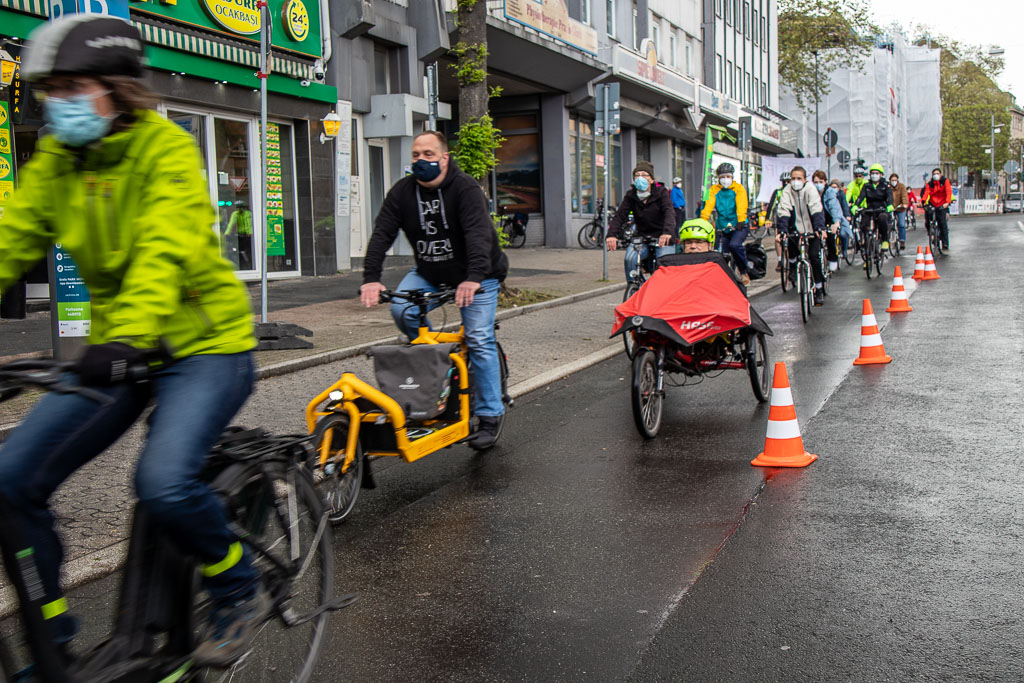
725	169
89	44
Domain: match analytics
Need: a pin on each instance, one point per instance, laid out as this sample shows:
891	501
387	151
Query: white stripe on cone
783	429
868	320
870	340
897	281
899	295
782	396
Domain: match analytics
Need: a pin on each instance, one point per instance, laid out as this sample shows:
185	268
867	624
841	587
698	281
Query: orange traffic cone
898	303
929	266
919	264
783	445
871	350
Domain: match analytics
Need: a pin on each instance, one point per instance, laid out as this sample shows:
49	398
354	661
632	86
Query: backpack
757	260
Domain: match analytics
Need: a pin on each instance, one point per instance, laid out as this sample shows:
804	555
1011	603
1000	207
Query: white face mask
894	183
935	176
875	177
797	185
725	181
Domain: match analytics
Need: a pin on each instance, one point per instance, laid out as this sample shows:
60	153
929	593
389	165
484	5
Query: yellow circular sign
296	20
5	168
237	16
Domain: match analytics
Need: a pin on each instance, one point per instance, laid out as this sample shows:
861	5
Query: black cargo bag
417	376
757	260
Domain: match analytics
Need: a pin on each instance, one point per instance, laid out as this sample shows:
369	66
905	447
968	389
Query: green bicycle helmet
697	229
877	167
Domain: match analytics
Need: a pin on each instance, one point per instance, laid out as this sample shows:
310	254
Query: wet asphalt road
577	551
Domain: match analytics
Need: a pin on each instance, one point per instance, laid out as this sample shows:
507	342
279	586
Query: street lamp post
817	133
993	129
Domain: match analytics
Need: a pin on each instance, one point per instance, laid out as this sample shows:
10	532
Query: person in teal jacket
728	200
120	188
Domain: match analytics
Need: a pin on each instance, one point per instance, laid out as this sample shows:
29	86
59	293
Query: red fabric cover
699	301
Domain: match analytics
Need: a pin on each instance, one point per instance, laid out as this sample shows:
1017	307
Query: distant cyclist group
822	219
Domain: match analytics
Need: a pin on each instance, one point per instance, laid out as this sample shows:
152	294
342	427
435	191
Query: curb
289	366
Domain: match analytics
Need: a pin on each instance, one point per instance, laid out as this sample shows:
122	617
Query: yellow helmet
697	229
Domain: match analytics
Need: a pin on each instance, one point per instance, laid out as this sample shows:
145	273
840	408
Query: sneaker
745	279
819	297
903	245
486	433
885	245
778	267
231	628
833	266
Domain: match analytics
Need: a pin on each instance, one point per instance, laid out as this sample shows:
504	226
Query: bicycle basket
417	376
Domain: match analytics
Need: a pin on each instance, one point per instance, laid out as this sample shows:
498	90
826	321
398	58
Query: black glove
110	363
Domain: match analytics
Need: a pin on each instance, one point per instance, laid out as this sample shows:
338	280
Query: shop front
202	59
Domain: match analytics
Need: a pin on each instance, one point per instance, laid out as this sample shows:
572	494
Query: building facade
203	69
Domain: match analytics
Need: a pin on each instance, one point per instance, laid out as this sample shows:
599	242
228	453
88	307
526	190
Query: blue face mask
641	184
74	119
426	170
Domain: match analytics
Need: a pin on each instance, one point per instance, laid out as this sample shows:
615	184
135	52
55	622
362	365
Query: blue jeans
634	256
196	398
478	322
733	242
901	225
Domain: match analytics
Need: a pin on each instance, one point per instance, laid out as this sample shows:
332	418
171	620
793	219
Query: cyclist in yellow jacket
728	201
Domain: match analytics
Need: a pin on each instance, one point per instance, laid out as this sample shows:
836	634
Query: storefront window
281	189
234	192
586	167
517	176
586	162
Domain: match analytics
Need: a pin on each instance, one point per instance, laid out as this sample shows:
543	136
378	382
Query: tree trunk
472	33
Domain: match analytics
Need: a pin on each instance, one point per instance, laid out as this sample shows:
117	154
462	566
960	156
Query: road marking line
1020	224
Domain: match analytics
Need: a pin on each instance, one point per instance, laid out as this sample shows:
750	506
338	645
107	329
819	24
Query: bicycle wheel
517	239
505	398
804	289
629	337
586	236
784	271
823	255
847	251
894	243
759	233
759	366
647	400
276	508
339	490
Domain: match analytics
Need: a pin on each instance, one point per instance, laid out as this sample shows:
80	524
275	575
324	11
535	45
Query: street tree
816	37
970	99
477	139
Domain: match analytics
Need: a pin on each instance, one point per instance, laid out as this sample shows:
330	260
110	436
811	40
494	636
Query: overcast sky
989	22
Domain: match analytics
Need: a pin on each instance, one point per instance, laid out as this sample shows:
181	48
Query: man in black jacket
444	215
651	206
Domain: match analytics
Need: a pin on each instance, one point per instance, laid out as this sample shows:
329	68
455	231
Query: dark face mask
426	171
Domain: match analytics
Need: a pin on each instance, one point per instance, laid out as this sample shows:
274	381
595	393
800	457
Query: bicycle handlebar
419	297
48	375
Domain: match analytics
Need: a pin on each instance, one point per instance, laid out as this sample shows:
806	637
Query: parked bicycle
272	508
591	235
514	227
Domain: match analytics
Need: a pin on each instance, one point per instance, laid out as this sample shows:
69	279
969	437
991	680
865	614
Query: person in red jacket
936	197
